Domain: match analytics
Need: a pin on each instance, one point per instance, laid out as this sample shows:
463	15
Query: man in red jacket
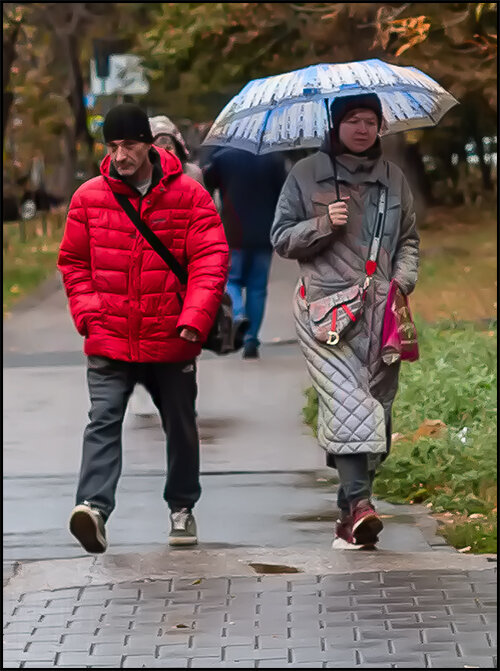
139	322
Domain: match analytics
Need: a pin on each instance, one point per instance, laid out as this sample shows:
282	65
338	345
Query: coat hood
162	125
165	167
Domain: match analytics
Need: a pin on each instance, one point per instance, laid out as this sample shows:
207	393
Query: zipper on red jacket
135	323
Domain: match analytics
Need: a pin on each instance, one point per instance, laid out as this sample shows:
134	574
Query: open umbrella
290	111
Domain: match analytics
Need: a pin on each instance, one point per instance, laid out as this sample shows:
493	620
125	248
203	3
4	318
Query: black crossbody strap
378	231
151	237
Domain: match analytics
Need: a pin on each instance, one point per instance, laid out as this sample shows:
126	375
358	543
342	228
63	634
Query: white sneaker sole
341	544
84	528
182	540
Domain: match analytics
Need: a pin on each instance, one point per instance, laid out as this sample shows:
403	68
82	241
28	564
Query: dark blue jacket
249	187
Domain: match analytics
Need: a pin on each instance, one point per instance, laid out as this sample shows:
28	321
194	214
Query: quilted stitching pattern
350	419
355	388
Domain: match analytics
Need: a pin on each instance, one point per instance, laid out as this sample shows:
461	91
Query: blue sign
89	101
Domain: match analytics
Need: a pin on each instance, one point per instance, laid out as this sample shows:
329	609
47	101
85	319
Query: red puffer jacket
123	298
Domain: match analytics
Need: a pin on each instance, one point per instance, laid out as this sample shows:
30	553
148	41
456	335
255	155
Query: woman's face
358	130
166	142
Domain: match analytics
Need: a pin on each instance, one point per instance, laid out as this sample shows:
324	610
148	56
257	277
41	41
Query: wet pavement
246	509
263	588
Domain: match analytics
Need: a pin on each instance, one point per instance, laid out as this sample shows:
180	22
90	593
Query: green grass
27	263
455	382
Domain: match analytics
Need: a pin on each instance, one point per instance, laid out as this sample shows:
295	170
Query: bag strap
378	231
151	237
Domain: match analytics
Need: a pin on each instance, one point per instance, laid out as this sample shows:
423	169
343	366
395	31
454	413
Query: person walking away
249	188
166	135
139	323
331	237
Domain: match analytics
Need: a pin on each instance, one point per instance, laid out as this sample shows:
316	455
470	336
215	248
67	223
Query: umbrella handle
334	162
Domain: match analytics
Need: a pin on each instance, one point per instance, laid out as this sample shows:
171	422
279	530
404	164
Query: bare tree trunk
414	158
75	99
9	56
395	149
66	182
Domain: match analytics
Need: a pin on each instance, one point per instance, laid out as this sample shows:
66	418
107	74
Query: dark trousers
356	479
173	389
357	471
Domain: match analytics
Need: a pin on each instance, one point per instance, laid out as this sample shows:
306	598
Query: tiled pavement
393	619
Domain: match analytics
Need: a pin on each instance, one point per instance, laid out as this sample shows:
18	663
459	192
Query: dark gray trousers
357	471
356	479
173	389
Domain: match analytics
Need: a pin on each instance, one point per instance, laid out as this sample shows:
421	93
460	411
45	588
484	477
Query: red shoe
366	524
343	528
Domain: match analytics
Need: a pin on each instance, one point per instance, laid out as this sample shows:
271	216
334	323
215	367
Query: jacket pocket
95	312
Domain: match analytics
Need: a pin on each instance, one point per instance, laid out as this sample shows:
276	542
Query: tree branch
311	10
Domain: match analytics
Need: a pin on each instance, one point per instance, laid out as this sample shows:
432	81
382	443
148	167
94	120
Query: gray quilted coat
355	387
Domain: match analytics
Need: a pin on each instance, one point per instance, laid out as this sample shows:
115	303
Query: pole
330	147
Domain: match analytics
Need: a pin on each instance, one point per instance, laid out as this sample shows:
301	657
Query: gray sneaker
183	528
87	526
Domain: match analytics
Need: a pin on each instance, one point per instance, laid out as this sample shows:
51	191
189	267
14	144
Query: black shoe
87	526
183	528
251	351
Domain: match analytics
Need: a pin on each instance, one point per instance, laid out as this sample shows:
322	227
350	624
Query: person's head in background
169	143
167	136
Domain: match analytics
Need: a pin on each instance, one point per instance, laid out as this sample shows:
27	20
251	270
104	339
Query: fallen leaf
196	582
430	428
465	549
273	568
181	626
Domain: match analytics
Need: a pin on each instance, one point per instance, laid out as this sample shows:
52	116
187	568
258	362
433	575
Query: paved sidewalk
400	619
263	589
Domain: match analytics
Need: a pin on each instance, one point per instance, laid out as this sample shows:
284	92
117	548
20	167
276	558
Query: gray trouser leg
110	385
173	389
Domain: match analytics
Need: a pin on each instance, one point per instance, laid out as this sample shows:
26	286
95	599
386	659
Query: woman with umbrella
346	215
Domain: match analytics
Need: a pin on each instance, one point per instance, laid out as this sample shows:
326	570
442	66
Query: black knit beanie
127	122
345	104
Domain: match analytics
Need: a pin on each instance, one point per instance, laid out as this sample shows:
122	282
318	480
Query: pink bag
399	335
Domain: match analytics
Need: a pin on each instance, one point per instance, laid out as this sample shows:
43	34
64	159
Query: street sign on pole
126	77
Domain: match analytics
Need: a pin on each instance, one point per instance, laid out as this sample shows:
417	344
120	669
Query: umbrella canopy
290	111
